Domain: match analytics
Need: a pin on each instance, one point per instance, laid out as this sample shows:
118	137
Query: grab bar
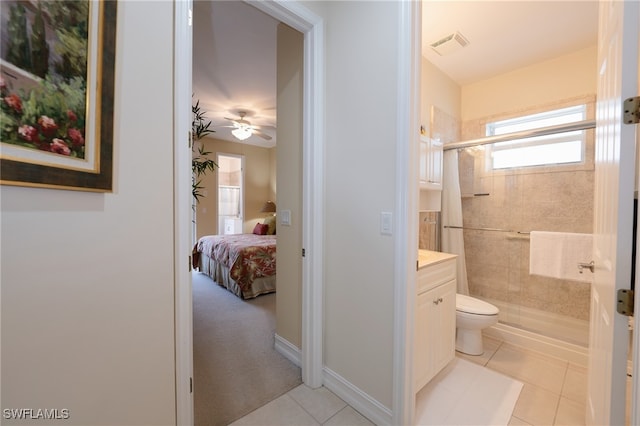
485	229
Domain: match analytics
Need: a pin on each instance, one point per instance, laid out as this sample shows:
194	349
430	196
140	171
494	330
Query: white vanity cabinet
435	329
431	157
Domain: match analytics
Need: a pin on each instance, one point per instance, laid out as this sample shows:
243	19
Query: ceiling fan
242	128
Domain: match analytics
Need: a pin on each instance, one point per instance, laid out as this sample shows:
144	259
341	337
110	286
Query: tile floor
554	393
466	393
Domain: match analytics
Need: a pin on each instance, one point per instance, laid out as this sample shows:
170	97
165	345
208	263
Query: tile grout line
338	412
304	409
564	380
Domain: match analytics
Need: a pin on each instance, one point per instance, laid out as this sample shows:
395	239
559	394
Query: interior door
613	212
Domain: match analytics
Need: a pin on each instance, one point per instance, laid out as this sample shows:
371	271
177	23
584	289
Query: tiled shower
498	261
499	209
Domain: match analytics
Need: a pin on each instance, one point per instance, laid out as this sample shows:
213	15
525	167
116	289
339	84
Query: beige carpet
236	368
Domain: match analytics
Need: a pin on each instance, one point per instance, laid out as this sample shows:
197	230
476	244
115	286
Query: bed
245	264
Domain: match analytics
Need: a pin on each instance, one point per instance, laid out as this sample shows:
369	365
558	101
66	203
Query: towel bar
487	229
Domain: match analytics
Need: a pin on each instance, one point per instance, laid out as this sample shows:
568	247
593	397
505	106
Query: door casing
312	27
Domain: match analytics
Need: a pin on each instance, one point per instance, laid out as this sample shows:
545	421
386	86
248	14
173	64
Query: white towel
557	254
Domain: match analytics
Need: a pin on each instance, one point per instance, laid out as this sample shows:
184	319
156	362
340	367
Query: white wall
87	278
361	100
565	77
439	90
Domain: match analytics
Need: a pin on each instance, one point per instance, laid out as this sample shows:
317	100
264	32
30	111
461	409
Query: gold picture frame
57	94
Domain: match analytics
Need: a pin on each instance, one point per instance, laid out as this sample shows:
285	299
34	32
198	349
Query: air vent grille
450	43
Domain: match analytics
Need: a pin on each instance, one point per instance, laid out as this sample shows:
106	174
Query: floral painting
56	92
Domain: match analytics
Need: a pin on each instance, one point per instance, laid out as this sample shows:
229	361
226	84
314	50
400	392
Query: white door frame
312	26
183	200
615	165
406	206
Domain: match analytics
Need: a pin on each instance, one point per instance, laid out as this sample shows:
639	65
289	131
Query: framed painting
57	69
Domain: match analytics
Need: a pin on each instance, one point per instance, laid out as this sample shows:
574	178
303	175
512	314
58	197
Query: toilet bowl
472	315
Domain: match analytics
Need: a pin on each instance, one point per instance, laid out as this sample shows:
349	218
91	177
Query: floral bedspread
248	256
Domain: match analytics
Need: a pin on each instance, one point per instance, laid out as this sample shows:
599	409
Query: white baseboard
352	395
288	350
356	398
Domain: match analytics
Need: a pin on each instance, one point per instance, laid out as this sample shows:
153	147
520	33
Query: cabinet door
445	341
435	327
424	159
430	163
435	169
423	357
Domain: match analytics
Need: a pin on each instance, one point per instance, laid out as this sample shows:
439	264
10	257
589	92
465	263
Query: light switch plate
285	217
386	223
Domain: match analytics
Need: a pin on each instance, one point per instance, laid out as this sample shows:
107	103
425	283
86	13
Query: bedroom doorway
309	352
230	193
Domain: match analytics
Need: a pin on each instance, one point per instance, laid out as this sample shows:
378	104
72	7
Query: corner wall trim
356	398
288	350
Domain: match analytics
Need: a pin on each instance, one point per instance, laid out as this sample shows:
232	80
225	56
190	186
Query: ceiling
506	35
234	49
234	66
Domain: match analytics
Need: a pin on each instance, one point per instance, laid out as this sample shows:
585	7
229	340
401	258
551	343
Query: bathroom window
556	149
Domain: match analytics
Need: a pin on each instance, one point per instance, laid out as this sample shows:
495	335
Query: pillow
260	229
270	221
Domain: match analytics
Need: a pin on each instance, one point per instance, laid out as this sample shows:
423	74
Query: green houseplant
200	162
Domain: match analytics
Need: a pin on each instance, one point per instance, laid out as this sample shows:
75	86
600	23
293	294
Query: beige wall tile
559	200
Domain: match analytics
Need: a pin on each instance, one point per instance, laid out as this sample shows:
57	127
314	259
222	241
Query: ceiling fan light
241	133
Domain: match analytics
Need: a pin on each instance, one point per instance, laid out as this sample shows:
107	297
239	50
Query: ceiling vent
449	44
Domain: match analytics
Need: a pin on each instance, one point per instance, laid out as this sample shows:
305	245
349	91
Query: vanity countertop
428	257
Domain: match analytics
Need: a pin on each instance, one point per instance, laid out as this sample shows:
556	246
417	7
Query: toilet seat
471	305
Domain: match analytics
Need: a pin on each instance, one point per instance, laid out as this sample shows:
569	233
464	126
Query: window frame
493	129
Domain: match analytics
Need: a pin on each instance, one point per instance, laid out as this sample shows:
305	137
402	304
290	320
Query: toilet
472	316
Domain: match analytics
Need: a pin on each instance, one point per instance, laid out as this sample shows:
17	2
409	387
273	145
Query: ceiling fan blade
265	126
262	135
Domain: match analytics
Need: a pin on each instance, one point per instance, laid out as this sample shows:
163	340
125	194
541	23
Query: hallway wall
87	278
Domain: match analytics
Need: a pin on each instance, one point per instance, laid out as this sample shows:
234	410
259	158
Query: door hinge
303	252
190	384
190	140
625	302
631	109
190	264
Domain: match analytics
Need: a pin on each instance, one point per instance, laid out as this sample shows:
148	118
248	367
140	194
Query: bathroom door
613	211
